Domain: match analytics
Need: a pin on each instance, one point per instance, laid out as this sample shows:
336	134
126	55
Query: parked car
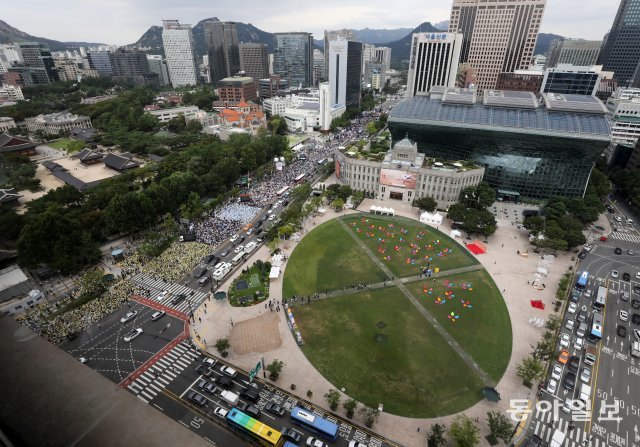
274	408
564	356
250	393
556	372
207	386
630	252
133	334
621	331
356	444
238	249
570	324
210	361
614	273
626	276
635	319
224	253
552	386
565	339
233	238
624	295
574	363
636	334
569	381
587	248
572	307
249	409
224	382
129	316
582	255
221	412
228	371
578	343
197	398
585	376
582	316
624	316
204	370
588	293
314	442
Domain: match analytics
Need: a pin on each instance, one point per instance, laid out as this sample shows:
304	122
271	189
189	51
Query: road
615	378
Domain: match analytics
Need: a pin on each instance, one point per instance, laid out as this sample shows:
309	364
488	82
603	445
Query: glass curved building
530	146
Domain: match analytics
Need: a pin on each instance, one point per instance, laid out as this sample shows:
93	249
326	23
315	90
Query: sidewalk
509	270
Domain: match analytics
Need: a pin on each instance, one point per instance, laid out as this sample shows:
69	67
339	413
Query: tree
350	406
337	204
332	191
344	192
333	399
456	212
426	204
370	415
534	224
93	283
277	125
193	208
130	212
223	345
435	437
529	369
194	126
500	427
553	323
545	348
464	431
275	368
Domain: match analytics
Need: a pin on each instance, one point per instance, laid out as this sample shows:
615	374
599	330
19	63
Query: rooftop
571	117
60	117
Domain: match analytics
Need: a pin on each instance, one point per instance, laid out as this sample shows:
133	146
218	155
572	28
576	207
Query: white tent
382	210
274	273
455	233
431	218
321	211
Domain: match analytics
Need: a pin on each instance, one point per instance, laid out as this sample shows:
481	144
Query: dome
405	143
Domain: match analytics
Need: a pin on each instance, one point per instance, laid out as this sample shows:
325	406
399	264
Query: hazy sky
124	21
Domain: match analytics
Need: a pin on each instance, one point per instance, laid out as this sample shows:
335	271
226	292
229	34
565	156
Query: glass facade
621	50
293	58
534	152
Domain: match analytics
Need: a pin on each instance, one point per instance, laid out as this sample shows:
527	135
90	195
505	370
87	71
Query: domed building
404	174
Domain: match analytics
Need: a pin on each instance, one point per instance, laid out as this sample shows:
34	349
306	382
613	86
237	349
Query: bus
582	281
600	299
253	429
314	423
299	178
595	335
282	190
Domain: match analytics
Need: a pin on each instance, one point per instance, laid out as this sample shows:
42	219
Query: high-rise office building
254	60
222	48
177	41
158	65
434	61
621	48
319	71
573	51
100	62
131	67
36	63
345	65
498	35
329	36
376	63
293	58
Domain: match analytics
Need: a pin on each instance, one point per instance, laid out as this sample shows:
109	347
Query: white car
636	334
552	386
233	238
566	406
578	343
637	275
269	211
157	315
238	249
133	334
587	294
228	371
273	216
163	295
614	273
572	308
556	372
356	444
630	221
586	375
570	324
587	248
129	316
314	442
564	340
624	316
221	412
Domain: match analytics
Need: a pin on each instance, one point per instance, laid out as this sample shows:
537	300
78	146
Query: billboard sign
400	179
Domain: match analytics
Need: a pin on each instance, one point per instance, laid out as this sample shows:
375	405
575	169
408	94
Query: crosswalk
543	426
625	237
193	297
163	371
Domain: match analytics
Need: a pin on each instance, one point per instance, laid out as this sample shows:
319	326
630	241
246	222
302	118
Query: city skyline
590	19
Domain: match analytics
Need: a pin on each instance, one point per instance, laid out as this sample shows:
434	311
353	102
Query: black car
535	441
196	398
582	316
635	319
250	394
573	364
207	386
291	434
242	239
204	370
582	255
610	209
635	303
177	299
569	381
636	290
622	331
207	259
618	251
259	224
626	276
258	231
274	408
575	295
224	382
249	409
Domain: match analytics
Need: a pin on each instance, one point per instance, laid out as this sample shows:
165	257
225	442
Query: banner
400	179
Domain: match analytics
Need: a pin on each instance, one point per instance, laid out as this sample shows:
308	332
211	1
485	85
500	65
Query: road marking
158	407
143	399
146	395
189	387
155	387
209	440
135	391
163	380
184	424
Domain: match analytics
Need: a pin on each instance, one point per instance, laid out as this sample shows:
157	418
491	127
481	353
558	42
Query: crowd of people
179	258
56	328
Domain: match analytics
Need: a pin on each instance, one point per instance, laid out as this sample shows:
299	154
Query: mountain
401	49
9	34
543	43
377	36
247	33
444	25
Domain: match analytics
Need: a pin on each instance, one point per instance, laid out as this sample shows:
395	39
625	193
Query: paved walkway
510	271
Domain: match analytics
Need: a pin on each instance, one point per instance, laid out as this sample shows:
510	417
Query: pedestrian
265	305
503	245
418	429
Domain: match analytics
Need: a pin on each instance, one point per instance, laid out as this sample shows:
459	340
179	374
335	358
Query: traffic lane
106	351
207	427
